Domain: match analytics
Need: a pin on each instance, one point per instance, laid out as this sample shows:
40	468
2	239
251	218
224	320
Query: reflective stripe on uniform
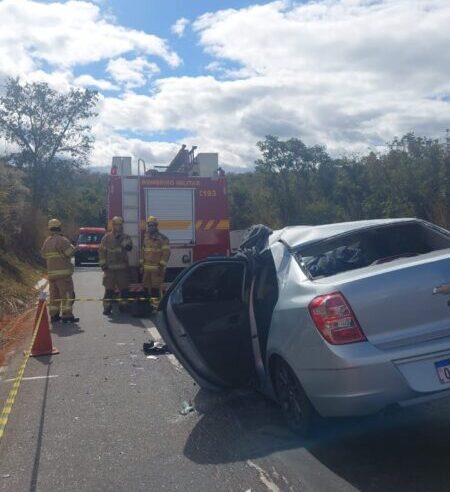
114	250
53	255
163	263
152	250
57	273
165	247
151	268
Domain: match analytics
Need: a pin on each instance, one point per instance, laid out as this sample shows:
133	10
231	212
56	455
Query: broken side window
214	283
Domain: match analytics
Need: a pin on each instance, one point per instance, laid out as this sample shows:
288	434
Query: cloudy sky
350	74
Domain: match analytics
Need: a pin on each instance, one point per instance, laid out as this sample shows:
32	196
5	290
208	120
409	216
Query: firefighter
58	251
113	260
154	258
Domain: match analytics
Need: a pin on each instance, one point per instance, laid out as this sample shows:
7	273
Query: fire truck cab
189	199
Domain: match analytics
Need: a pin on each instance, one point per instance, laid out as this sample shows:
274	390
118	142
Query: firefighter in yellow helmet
113	260
58	251
154	257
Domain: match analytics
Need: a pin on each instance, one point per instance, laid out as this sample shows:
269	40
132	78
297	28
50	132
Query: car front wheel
296	407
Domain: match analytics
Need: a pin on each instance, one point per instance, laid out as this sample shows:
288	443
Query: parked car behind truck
335	320
88	242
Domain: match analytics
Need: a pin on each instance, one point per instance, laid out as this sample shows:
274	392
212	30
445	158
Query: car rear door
204	319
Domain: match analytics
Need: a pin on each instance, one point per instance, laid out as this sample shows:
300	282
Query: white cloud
347	73
67	34
180	26
109	144
89	81
132	73
350	74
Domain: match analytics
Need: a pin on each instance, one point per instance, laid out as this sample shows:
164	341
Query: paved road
104	417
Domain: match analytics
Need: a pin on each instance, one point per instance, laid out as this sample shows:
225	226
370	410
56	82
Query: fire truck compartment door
130	203
174	209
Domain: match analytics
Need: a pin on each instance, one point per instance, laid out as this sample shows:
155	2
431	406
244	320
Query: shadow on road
407	451
66	329
404	451
37	457
236	426
118	318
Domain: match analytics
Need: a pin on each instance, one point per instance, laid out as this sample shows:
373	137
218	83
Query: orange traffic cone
43	341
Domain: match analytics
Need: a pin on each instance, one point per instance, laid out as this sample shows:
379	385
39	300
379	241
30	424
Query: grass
17	280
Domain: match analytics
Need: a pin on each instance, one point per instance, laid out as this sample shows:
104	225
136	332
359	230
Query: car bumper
365	385
355	391
87	257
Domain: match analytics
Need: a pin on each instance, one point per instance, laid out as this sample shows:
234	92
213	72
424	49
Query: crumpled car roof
296	236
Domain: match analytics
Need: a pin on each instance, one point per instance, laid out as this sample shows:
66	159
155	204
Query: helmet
152	220
54	224
117	220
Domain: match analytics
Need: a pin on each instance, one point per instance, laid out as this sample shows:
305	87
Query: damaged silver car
332	320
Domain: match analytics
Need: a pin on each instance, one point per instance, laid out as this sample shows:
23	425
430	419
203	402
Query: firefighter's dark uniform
154	258
113	259
57	251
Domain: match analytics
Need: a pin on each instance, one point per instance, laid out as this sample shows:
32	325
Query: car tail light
335	319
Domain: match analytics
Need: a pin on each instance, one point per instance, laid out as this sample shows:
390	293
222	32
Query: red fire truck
189	198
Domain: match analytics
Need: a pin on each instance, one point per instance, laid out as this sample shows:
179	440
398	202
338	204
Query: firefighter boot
123	304
107	303
70	319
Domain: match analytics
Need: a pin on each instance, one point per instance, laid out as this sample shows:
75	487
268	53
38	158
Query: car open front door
204	319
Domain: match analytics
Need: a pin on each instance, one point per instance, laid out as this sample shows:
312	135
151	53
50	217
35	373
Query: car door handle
442	289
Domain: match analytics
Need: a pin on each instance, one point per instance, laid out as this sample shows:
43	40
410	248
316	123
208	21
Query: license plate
92	258
443	370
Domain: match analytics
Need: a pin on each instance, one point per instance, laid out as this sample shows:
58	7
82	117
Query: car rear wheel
295	405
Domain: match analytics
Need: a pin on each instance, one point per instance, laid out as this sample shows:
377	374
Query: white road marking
175	362
154	333
264	477
31	378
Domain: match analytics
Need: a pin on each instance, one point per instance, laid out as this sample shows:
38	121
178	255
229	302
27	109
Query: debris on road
153	357
153	347
187	408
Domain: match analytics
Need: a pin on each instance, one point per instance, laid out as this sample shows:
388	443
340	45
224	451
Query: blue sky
158	17
347	74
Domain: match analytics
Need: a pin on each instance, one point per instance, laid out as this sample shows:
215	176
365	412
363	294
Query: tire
295	405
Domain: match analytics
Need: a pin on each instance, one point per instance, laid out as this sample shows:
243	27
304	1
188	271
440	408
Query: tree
13	195
292	169
81	201
50	130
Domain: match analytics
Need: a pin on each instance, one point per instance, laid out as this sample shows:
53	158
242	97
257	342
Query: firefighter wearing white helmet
155	255
58	251
113	259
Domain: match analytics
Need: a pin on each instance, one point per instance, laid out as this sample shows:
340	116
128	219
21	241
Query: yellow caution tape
18	379
153	300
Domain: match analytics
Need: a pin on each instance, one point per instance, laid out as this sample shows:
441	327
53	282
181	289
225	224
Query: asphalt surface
101	416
